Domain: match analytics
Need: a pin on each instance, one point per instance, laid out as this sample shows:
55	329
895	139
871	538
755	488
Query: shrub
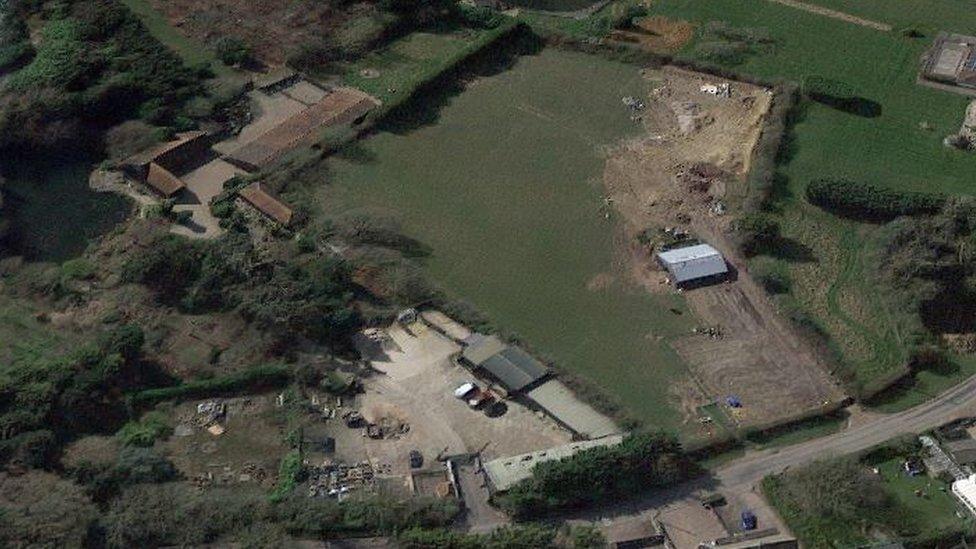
865	201
288	475
772	274
144	433
480	16
723	53
270	375
758	231
232	51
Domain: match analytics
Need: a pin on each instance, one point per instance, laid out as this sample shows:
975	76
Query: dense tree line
309	295
929	263
45	401
869	202
601	474
95	65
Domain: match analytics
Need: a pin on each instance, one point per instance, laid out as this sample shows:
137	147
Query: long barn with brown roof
341	106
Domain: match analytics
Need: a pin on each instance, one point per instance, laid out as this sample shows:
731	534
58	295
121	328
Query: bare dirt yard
684	173
657	33
414	384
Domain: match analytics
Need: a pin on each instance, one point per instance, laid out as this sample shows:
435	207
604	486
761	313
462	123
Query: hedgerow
868	202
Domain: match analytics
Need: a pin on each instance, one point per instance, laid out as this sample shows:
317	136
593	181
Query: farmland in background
901	148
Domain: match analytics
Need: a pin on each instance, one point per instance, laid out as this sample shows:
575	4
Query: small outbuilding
162	181
256	196
693	263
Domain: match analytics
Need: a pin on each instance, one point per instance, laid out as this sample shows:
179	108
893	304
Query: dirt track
834	14
687	168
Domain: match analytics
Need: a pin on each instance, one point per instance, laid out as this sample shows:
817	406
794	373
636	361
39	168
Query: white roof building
965	490
693	262
503	473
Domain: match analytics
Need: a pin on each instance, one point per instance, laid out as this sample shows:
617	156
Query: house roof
693	262
163	181
580	417
256	195
152	153
341	106
513	367
964	451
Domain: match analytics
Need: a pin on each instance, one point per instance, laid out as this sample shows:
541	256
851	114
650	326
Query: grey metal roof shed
693	262
513	367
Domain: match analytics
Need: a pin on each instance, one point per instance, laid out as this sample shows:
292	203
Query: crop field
901	148
503	185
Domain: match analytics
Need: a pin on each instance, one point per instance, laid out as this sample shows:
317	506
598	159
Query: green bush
772	274
232	51
144	433
865	201
820	88
270	375
600	474
758	231
480	16
95	64
289	473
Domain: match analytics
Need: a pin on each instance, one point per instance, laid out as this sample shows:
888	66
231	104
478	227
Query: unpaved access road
834	14
742	474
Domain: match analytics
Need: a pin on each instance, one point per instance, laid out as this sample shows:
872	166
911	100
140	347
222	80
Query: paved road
742	474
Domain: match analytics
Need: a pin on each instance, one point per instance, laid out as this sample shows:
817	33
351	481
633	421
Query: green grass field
924	15
838	285
403	65
502	182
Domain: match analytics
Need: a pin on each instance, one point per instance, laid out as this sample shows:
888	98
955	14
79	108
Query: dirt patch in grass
685	172
658	34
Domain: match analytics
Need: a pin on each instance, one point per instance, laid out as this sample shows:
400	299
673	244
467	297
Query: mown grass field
902	148
924	15
502	182
394	72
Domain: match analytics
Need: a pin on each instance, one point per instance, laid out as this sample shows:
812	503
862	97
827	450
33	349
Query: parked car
416	459
479	398
464	390
472	394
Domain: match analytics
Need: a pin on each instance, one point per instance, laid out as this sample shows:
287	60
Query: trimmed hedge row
269	375
865	201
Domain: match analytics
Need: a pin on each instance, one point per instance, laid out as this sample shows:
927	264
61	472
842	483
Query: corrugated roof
481	348
693	262
513	367
256	195
341	106
163	181
561	403
507	472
